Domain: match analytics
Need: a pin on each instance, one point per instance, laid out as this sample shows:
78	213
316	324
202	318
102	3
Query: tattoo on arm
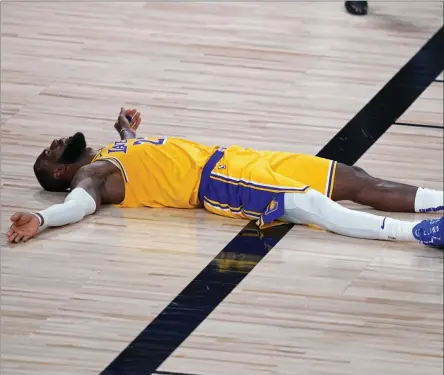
89	184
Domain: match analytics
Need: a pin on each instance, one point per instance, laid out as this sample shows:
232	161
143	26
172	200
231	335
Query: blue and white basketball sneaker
430	232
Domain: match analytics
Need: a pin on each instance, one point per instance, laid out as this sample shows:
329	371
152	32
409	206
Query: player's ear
59	171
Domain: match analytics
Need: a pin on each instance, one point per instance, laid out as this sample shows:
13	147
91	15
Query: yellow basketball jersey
158	172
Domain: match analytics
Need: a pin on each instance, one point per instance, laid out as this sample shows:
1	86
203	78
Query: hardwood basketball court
283	76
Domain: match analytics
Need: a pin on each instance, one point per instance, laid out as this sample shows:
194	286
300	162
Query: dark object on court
357	8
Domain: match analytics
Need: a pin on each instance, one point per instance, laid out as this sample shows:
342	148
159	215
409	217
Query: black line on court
419	125
170	373
196	302
193	305
372	121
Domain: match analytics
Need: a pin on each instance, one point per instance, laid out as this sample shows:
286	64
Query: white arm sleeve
315	208
77	205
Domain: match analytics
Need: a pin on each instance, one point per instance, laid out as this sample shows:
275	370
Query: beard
74	149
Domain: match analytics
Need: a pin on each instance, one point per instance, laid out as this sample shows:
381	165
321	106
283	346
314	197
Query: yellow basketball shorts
249	184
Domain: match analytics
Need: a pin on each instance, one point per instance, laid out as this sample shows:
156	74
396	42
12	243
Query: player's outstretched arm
82	201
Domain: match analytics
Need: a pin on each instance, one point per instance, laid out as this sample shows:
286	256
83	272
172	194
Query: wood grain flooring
269	75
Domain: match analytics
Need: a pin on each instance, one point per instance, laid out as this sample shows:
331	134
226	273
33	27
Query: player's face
54	151
64	150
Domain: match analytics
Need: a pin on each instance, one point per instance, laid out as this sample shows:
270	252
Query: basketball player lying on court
264	186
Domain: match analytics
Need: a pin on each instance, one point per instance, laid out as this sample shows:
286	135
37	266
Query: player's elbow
76	211
83	201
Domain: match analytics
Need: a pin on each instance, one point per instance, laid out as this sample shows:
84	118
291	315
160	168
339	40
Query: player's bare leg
354	184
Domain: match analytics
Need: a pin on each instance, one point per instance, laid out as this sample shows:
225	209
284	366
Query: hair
48	181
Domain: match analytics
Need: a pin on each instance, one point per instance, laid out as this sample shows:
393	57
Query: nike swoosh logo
383	223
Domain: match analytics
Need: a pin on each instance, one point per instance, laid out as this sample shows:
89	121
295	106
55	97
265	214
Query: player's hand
128	119
24	226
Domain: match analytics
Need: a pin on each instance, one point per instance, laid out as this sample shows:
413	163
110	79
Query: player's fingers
136	116
20	231
136	125
18	238
133	123
12	237
10	231
16	217
130	112
26	238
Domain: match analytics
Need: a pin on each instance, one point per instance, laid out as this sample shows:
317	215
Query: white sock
427	200
315	208
397	230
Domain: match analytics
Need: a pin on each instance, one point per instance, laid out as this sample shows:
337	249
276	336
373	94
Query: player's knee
359	172
364	183
352	183
363	179
368	185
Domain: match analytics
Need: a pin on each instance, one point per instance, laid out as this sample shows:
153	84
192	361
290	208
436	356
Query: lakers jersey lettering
158	172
